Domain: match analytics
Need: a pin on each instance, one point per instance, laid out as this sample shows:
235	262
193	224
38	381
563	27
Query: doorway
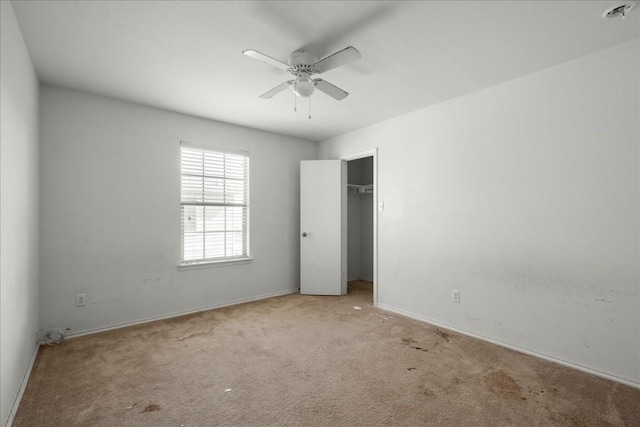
324	225
361	220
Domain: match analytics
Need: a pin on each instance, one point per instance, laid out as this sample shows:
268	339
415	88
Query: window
213	205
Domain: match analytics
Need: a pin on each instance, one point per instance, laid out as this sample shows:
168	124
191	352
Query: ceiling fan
302	65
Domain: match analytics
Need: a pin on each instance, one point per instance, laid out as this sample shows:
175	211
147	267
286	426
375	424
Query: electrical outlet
81	299
455	295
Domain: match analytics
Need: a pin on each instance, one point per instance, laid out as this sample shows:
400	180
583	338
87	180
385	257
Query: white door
323	238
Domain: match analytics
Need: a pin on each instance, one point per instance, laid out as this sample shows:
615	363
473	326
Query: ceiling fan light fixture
304	86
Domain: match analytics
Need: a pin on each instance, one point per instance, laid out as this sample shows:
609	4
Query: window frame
217	261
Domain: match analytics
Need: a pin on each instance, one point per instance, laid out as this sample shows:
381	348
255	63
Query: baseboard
23	386
511	347
182	313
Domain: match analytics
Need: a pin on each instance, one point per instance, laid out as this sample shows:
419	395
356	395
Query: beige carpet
309	361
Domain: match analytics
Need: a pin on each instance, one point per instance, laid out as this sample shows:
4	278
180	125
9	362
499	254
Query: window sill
220	263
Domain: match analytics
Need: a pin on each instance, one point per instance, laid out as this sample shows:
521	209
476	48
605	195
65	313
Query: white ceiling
187	56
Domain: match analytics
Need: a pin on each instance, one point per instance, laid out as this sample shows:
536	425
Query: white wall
110	212
19	210
366	236
525	197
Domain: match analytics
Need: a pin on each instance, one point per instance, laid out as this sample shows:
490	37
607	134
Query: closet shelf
362	189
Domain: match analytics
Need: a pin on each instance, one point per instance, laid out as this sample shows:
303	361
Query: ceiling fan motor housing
302	61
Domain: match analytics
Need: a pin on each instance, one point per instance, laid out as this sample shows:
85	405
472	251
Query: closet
360	219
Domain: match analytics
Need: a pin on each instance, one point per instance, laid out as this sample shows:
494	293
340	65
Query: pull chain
295	102
309	108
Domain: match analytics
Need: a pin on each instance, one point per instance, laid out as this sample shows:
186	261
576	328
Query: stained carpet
309	361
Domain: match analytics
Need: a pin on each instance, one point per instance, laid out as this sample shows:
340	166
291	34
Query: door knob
304	234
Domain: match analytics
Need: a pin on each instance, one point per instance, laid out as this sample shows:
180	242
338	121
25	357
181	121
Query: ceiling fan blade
338	59
277	89
331	90
266	59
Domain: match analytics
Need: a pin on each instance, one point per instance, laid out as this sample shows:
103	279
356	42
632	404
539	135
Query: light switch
380	206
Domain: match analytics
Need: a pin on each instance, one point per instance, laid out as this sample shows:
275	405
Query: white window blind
213	205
